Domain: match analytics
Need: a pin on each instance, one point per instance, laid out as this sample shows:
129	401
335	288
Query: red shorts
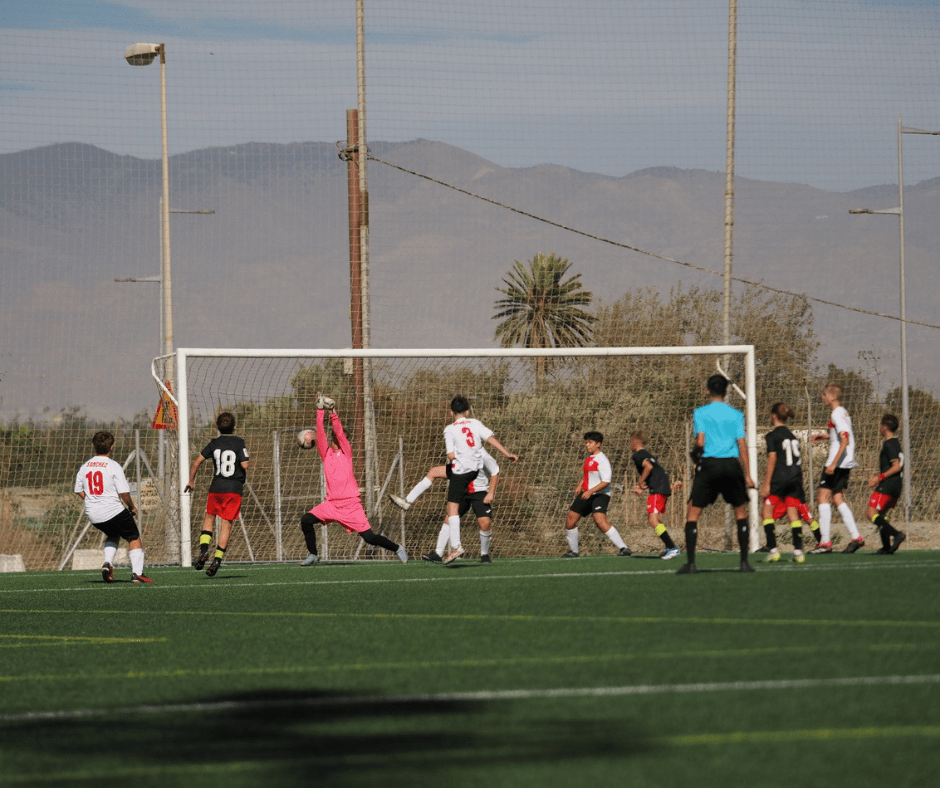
348	512
225	505
656	504
883	503
782	504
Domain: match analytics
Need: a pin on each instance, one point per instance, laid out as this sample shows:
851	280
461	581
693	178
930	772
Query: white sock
849	519
454	523
825	522
614	535
110	550
137	560
486	539
421	487
442	538
571	534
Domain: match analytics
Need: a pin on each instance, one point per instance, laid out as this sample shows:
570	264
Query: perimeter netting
538	408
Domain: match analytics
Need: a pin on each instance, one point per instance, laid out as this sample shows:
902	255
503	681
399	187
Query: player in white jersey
463	440
592	496
835	476
101	484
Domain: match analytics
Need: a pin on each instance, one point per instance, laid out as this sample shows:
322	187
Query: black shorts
475	501
596	504
716	475
458	485
121	526
791	488
835	482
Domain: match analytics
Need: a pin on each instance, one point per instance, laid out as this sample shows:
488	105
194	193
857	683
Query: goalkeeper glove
325	403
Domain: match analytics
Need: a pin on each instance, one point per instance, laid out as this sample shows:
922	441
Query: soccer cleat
140	578
822	547
746	566
454	554
687	569
883	551
107	572
433	557
485	559
798	556
896	543
625	551
213	567
669	553
571	554
400	502
854	545
310	560
200	562
773	556
402	555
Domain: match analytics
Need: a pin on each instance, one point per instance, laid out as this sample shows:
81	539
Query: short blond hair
835	389
640	436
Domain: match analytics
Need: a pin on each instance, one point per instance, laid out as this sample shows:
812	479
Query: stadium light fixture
905	398
143	55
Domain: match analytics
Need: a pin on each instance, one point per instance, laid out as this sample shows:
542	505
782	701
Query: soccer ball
306	439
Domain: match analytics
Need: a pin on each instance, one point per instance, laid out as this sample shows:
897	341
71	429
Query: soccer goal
394	405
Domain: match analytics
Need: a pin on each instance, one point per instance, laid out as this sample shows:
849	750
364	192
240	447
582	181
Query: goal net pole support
183	355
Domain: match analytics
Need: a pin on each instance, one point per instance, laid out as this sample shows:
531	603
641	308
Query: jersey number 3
468	434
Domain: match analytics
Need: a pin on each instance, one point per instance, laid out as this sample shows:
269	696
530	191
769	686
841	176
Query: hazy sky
601	86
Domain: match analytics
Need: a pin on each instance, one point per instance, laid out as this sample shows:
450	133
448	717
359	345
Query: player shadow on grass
286	738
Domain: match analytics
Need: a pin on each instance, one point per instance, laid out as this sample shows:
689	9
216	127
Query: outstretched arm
493	442
321	435
341	438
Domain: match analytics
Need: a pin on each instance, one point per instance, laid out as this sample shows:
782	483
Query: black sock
691	537
885	531
797	532
743	533
769	529
219	553
816	534
667	540
308	524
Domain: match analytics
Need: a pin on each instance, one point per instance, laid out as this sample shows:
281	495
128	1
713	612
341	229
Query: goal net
394	405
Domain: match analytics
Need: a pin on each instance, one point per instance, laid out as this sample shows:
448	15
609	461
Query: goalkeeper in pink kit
342	504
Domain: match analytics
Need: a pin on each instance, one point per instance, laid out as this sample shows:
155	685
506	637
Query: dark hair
890	421
102	441
459	404
717	385
641	436
782	411
226	423
594	436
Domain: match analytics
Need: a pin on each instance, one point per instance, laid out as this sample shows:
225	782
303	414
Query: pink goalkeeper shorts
348	512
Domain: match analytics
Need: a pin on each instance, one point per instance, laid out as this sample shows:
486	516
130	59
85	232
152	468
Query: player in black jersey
887	486
230	456
782	490
655	482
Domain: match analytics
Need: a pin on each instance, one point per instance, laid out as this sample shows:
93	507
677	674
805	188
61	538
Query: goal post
539	403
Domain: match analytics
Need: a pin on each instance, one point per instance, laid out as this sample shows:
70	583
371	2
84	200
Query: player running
463	440
342	504
887	486
722	467
782	491
230	458
835	476
101	484
655	481
592	496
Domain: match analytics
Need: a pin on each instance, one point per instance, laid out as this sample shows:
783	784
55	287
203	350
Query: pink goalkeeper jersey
337	465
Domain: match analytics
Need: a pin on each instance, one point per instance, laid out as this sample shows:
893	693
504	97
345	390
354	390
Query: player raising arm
342	504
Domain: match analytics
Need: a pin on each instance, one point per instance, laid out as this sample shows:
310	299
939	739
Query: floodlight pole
905	395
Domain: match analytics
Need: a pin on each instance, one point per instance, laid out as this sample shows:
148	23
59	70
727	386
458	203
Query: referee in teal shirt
722	468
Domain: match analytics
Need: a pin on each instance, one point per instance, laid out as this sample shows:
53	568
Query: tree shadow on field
284	738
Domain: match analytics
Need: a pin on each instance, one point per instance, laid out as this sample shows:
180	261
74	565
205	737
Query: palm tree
542	311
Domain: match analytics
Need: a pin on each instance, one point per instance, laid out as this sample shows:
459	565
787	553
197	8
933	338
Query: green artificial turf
596	671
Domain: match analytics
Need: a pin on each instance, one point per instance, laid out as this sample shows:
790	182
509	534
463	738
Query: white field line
451	576
483	696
